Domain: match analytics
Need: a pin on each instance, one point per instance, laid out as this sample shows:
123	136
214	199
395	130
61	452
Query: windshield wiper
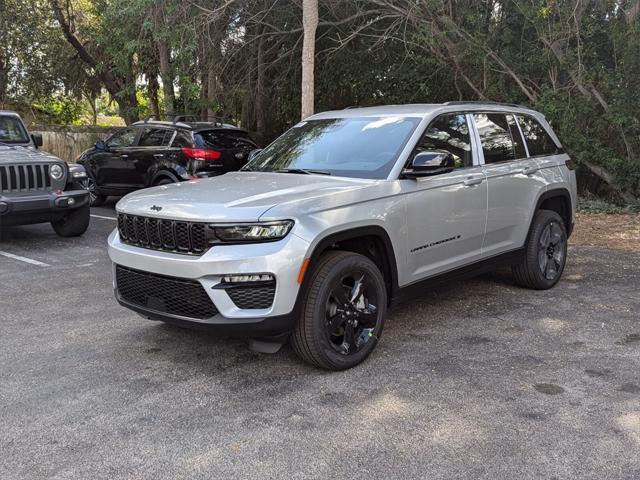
305	171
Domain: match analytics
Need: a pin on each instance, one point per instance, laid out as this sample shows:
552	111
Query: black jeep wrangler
36	187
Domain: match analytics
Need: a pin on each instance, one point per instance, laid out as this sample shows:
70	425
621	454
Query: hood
236	196
18	154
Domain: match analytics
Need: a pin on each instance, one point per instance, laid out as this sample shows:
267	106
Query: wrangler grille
167	235
175	296
24	178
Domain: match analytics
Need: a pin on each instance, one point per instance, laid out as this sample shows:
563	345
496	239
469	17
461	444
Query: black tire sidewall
544	218
314	309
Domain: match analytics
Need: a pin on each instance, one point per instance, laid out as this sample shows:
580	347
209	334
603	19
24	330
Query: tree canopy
577	61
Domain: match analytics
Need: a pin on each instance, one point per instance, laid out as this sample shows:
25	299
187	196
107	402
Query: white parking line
24	259
104	218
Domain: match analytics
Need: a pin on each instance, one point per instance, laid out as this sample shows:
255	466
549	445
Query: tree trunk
164	58
260	93
152	89
309	24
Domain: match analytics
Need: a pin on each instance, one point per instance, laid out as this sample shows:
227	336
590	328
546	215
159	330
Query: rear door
151	153
446	213
234	146
514	181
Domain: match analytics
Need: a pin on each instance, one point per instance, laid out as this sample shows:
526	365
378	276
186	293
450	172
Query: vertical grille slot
166	235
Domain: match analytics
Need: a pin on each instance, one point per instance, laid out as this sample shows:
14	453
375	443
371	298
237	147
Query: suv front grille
24	178
175	296
167	235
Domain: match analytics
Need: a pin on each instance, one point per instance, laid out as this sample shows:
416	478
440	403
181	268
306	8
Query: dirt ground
620	232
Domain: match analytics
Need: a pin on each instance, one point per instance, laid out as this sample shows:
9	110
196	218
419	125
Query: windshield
12	130
365	147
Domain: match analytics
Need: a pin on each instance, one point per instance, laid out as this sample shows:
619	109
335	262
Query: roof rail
217	120
481	102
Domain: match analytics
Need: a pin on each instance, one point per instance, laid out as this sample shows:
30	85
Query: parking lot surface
476	379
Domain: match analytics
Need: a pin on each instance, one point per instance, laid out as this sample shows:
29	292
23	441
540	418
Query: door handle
158	155
527	170
124	156
469	182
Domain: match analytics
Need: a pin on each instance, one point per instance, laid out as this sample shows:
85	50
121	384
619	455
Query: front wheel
545	252
74	223
95	198
343	311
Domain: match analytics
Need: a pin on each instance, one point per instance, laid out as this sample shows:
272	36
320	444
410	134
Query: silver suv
341	214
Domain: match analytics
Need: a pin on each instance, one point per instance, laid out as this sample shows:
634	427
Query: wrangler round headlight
56	172
251	232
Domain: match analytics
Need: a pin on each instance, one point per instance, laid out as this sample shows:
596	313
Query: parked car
36	187
343	213
149	153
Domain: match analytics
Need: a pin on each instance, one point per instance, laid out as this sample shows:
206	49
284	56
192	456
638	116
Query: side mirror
37	139
426	164
101	145
253	153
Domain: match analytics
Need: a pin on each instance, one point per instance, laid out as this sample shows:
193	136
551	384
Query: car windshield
12	130
362	147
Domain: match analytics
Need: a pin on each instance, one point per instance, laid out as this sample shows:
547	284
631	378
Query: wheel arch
559	201
160	174
371	241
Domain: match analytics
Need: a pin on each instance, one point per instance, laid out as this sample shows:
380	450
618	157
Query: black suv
149	153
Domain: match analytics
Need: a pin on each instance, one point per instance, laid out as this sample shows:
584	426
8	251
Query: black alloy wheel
545	252
342	312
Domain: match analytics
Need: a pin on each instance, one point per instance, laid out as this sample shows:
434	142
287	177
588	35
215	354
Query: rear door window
223	140
538	140
155	137
495	137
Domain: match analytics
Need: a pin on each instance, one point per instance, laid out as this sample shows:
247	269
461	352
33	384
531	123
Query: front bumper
35	207
281	259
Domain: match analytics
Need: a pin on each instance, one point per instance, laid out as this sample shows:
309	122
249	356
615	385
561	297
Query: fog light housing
252	278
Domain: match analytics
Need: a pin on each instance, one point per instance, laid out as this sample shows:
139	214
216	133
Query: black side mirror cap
37	139
426	164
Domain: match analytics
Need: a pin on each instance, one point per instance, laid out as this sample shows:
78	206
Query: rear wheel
164	181
95	199
545	252
74	223
343	312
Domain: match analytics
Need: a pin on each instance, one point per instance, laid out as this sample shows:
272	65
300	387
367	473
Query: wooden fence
68	142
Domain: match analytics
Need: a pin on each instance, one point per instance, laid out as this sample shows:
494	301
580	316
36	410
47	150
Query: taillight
201	153
569	164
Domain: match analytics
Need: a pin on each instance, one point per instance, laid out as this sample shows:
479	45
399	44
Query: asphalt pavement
476	379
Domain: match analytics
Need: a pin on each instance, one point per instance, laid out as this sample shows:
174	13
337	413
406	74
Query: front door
446	213
112	167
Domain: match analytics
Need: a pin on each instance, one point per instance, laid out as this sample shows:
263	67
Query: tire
545	252
163	181
95	199
74	223
334	335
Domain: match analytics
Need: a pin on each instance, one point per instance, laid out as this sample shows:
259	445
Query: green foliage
62	110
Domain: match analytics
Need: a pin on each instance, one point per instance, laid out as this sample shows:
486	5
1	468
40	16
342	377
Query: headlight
56	172
251	232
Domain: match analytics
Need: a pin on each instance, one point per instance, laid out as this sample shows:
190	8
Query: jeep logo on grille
156	208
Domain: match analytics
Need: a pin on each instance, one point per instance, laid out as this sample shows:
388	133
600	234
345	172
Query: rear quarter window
538	140
219	139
